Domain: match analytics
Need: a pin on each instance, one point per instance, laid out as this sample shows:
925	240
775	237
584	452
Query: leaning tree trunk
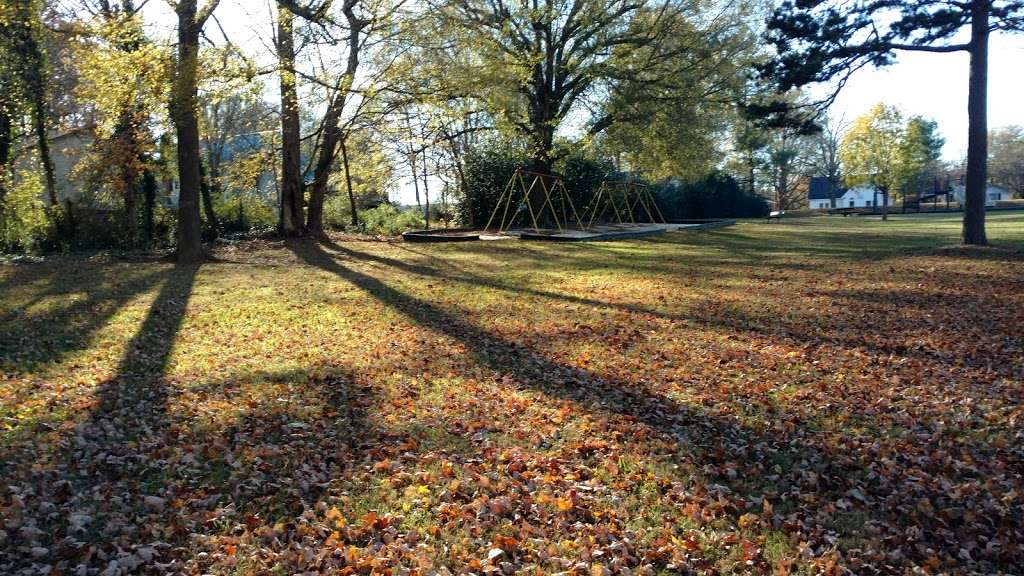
348	184
291	170
207	196
977	129
186	123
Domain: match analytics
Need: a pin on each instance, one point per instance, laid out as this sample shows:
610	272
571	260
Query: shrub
583	176
245	212
337	212
25	224
488	168
714	196
387	220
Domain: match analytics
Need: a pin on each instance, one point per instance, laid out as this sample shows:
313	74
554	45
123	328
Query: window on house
852	203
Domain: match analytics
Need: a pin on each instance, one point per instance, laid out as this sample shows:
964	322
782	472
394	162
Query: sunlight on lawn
807	395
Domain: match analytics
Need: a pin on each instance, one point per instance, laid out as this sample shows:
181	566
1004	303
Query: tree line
356	92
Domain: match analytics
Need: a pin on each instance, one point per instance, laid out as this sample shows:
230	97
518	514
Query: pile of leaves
812	397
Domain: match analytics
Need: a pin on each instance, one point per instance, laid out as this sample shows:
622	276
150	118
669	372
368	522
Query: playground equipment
533	198
623	202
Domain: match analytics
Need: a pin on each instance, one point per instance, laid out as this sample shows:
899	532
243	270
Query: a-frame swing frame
629	195
554	191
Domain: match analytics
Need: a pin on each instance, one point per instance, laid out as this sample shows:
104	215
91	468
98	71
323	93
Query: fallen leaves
687	404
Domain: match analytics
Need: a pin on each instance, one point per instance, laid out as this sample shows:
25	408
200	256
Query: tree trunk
328	149
186	123
977	129
6	142
207	196
149	188
426	192
348	184
291	171
43	142
885	204
332	129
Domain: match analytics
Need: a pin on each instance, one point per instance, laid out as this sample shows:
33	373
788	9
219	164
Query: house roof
821	188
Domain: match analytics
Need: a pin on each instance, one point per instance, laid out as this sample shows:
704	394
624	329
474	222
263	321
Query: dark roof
822	188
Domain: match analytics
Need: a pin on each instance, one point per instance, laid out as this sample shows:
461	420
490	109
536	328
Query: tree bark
6	142
977	129
186	123
332	129
207	196
43	143
348	184
291	171
149	188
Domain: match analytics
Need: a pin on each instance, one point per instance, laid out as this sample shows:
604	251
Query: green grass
782	396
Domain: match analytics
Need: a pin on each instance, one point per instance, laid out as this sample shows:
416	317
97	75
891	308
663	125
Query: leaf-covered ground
817	396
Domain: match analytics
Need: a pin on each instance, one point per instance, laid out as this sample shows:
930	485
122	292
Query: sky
919	83
935	86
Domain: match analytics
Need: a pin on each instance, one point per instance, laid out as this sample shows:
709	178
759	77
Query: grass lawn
812	396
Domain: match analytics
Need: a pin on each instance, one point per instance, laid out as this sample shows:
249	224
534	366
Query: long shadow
132	473
722	444
749	462
110	455
481	281
30	340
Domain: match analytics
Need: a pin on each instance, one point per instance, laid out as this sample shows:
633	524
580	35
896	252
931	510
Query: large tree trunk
332	129
291	170
977	129
328	149
186	123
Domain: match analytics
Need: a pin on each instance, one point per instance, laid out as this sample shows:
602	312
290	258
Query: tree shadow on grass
820	481
108	453
151	470
29	340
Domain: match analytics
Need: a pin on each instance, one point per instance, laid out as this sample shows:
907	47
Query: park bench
775	215
844	211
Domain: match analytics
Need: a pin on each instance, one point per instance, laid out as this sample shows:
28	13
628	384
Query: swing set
624	202
540	200
534	198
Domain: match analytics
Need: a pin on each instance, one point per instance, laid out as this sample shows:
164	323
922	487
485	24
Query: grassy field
813	396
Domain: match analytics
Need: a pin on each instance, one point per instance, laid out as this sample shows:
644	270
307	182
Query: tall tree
874	153
25	63
824	160
122	73
292	215
184	112
825	40
922	150
534	63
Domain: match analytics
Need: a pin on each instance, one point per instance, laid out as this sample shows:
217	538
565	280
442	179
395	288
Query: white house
823	194
993	194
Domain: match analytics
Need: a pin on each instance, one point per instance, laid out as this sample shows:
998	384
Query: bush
583	176
714	196
337	212
244	213
25	223
487	170
386	220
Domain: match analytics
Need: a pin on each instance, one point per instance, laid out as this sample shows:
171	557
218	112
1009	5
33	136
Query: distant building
66	150
994	193
823	193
